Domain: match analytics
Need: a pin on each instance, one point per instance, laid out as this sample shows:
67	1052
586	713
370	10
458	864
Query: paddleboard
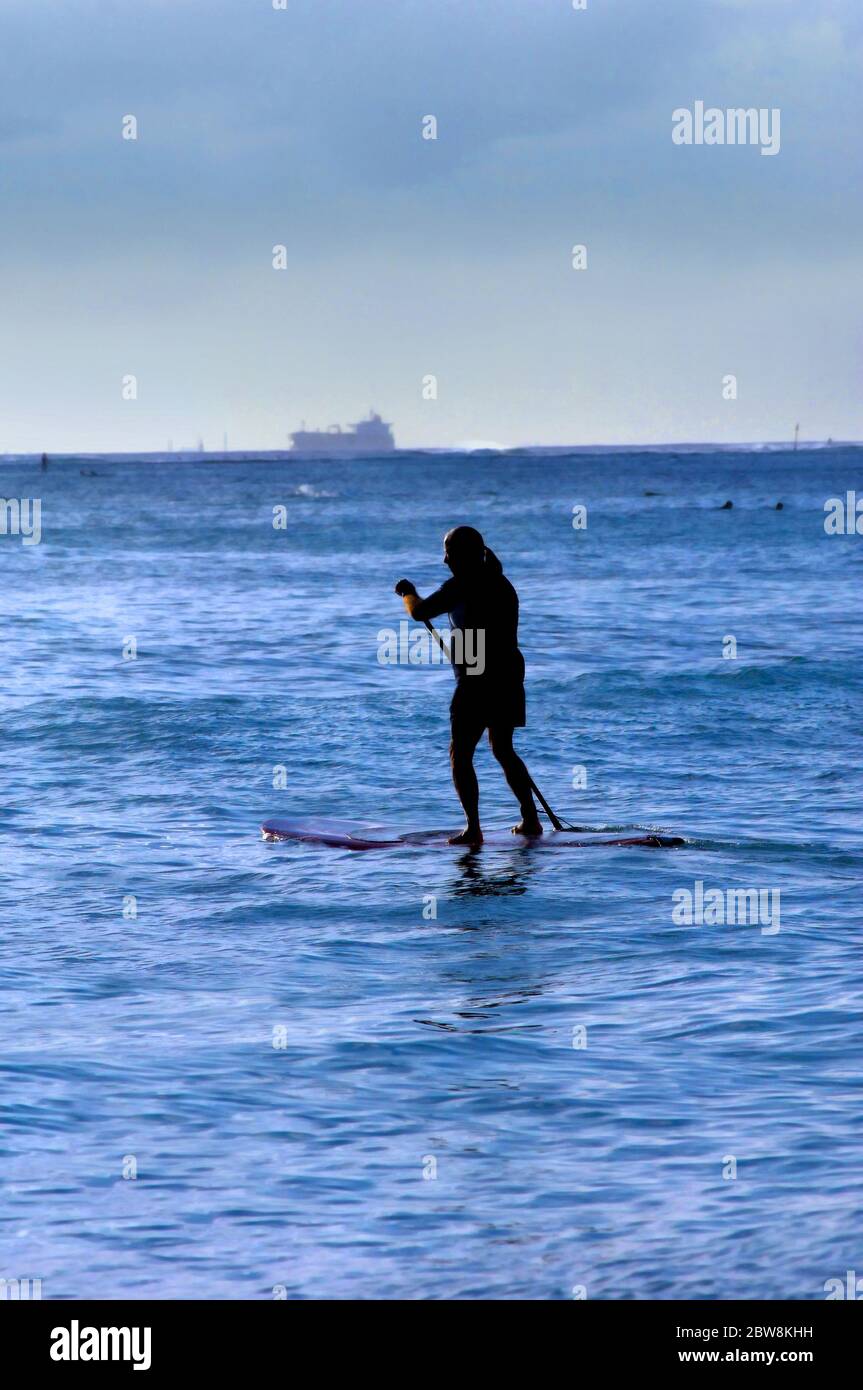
352	835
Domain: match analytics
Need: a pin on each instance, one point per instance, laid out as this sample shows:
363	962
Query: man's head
463	549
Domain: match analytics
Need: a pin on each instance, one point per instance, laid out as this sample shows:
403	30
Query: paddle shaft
534	788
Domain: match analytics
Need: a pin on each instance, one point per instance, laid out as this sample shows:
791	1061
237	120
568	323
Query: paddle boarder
480	600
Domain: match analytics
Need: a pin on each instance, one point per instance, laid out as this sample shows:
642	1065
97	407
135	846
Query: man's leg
518	777
466	734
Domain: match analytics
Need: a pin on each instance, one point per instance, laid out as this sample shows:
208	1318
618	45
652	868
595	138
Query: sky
408	258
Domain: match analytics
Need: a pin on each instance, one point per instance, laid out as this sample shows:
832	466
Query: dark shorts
485	703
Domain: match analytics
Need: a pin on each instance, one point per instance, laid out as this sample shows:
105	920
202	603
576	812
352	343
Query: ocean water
432	1126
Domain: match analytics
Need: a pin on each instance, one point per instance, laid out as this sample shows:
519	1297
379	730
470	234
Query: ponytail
492	563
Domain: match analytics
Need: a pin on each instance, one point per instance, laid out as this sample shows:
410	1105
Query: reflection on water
480	1010
476	879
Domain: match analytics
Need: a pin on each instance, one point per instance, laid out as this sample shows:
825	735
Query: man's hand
405	587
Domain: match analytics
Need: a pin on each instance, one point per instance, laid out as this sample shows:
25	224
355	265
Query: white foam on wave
309	490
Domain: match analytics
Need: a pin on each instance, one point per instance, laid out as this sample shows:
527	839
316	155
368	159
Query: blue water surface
432	1126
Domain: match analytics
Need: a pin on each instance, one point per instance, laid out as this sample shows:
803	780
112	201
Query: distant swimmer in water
489	693
726	506
780	506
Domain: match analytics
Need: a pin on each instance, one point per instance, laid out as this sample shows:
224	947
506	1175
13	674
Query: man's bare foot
471	835
530	827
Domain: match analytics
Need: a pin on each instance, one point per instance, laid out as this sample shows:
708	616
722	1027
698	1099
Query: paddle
556	824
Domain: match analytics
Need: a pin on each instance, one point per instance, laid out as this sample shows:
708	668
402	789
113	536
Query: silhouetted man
480	600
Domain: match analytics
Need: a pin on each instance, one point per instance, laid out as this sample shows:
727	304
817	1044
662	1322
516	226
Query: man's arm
421	609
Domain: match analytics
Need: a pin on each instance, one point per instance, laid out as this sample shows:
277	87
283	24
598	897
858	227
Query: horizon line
188	455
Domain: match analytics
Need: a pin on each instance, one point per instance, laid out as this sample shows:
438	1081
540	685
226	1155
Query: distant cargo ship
365	438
